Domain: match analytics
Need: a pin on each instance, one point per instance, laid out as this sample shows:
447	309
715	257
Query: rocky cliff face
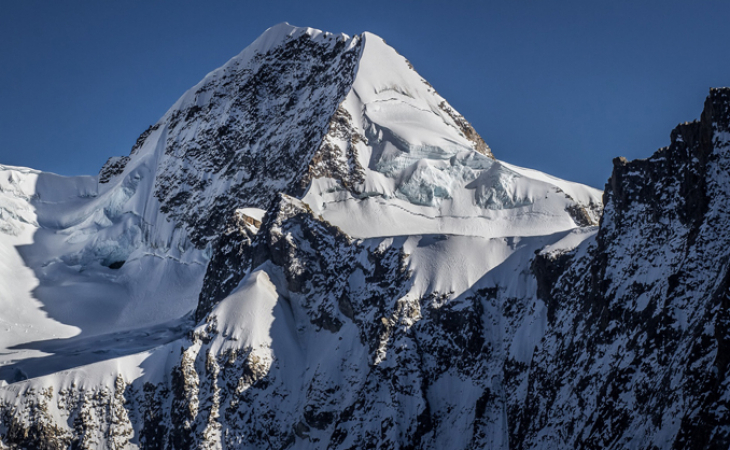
222	147
638	325
367	274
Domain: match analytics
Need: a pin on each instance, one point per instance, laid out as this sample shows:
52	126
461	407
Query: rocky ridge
638	322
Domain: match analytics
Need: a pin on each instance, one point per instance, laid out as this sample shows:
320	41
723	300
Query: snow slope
421	164
60	297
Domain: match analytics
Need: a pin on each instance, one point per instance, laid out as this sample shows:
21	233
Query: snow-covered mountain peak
279	33
271	39
343	124
309	219
395	95
305	111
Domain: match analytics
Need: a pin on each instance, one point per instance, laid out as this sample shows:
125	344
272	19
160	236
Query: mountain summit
296	108
313	249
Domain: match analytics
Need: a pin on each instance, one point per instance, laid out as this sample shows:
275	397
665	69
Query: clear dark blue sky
559	86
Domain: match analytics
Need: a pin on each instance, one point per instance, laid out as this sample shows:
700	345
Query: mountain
639	325
313	249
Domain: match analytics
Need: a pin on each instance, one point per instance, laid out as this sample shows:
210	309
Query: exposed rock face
231	132
468	131
635	354
232	258
114	166
331	160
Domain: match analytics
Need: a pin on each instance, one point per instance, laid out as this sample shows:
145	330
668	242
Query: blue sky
561	87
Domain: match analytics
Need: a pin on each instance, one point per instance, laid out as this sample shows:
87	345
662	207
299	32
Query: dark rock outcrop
235	136
635	353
